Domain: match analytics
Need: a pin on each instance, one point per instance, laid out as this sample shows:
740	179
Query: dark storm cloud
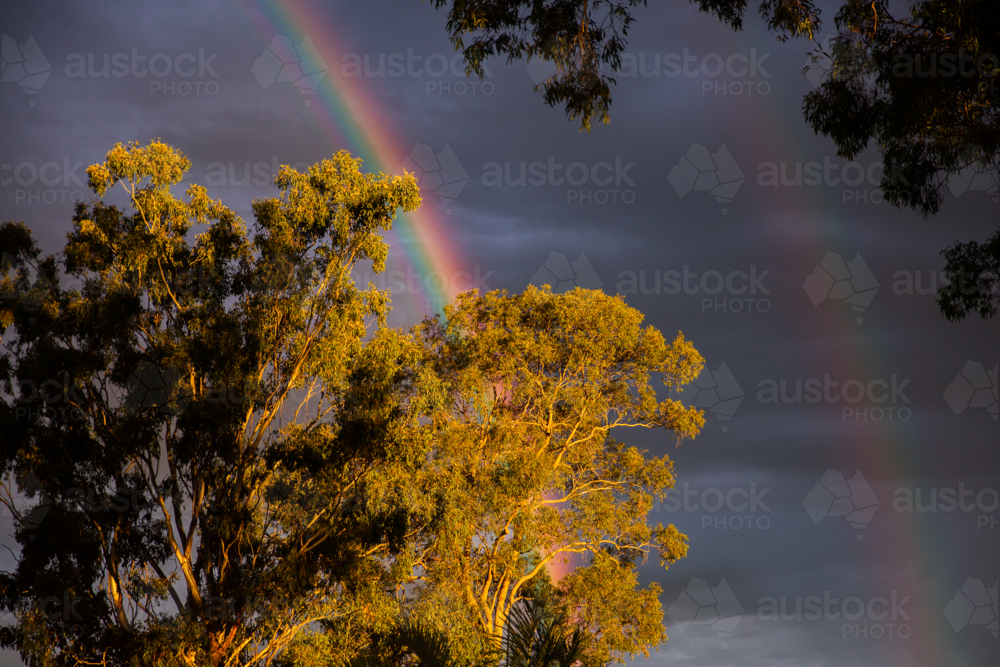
732	274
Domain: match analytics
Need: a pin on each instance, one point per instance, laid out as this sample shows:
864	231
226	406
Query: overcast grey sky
834	389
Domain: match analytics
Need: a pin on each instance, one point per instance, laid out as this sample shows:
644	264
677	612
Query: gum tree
517	399
195	420
228	459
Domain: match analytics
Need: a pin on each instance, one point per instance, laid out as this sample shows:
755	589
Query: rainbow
347	115
808	222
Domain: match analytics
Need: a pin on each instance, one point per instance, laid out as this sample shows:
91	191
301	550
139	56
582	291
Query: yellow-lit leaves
519	396
582	351
335	198
604	598
160	163
673	543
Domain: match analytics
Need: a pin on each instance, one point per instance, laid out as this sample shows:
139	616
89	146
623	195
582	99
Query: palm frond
535	637
423	640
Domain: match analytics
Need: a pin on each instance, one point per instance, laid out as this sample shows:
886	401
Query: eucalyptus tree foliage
924	87
216	453
921	85
580	37
518	398
192	418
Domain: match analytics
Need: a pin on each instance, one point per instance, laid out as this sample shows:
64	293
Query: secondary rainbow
811	222
346	114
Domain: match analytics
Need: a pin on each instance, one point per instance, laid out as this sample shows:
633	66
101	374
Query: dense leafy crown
229	459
